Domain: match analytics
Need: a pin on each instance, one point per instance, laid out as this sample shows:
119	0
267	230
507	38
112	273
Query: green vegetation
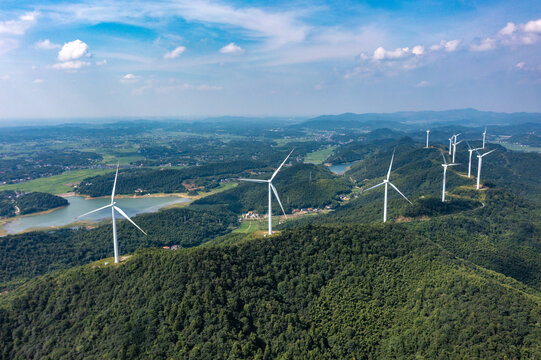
26	255
12	204
319	156
317	292
299	186
57	184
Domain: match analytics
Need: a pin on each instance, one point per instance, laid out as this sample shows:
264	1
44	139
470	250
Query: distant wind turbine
271	190
113	208
386	182
445	165
484	137
454	148
480	157
471	150
427	133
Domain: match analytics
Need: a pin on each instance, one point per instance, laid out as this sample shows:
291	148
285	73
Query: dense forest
320	292
28	203
26	255
148	180
299	186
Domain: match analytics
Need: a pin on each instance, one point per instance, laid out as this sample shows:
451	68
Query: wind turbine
445	165
113	208
454	148
471	150
427	133
480	157
484	137
386	182
451	144
271	190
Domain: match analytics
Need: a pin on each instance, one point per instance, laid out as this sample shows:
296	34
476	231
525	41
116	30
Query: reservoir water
79	205
340	169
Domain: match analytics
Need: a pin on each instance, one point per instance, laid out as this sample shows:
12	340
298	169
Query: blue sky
207	58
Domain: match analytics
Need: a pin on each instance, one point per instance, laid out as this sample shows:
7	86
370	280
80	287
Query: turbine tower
386	182
445	165
480	157
484	137
113	208
271	190
427	133
471	150
454	148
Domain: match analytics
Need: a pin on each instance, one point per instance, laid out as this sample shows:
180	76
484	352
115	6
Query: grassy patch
516	147
318	157
57	184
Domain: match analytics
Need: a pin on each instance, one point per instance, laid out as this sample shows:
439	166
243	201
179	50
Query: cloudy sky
198	58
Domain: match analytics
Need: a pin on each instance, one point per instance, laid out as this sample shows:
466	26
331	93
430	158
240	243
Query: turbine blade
488	152
114	184
93	211
278	198
254	180
454	164
282	164
443	156
404	196
373	187
128	218
469	146
390	165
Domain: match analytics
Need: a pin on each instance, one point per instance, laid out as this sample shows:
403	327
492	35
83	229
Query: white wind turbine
484	137
471	150
427	133
271	190
445	165
480	157
386	182
451	145
113	208
454	148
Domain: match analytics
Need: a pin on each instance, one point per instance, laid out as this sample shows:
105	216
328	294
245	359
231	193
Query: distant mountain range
404	119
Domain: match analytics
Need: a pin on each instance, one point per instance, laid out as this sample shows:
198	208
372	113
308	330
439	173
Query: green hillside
316	292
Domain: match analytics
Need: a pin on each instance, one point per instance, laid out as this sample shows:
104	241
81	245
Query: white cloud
19	26
73	50
380	53
130	78
521	34
231	48
533	26
423	83
38	81
5	77
520	65
101	63
448	46
484	45
174	53
70	65
418	50
46	45
508	29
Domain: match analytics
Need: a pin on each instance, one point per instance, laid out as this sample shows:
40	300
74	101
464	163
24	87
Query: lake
340	169
79	205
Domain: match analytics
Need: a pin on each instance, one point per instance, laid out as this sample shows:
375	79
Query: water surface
340	169
79	205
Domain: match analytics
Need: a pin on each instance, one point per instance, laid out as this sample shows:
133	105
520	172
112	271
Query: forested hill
28	203
374	291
